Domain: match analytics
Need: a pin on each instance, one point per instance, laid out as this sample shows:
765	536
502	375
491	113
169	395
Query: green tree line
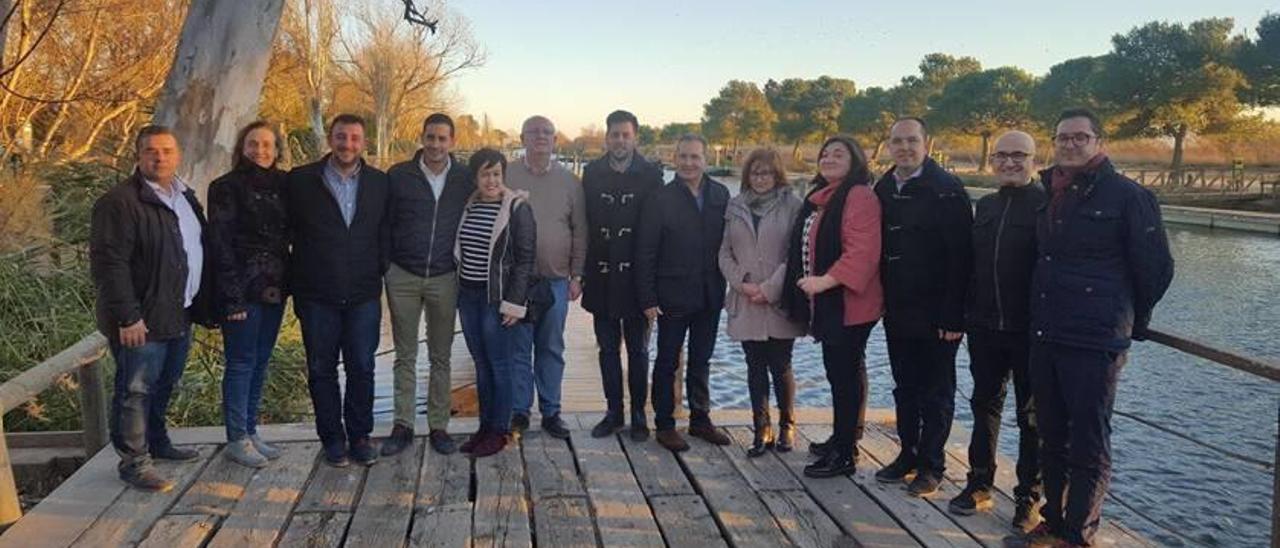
1160	79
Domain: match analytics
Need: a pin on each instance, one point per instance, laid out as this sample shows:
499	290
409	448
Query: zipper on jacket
435	214
995	261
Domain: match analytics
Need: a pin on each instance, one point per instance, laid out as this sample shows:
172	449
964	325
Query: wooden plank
985	528
218	488
180	531
444	479
622	515
501	515
928	526
763	473
803	521
134	512
72	507
738	510
444	526
386	507
551	468
656	469
316	530
855	512
333	489
258	519
686	521
564	521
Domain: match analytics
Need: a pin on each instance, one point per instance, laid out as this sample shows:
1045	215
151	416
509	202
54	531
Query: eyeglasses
1016	157
1077	139
762	173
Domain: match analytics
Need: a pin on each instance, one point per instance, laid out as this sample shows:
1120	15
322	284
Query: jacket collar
929	173
1087	180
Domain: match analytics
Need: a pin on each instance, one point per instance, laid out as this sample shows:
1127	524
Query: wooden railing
1202	180
84	359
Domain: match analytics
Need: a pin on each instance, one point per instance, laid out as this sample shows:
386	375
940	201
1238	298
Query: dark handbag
538	300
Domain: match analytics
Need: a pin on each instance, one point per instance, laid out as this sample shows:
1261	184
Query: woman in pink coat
834	267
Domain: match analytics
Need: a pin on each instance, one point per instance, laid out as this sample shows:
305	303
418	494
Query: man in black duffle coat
925	268
615	186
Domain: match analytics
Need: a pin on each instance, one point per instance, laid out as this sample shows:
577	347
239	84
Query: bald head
1014	157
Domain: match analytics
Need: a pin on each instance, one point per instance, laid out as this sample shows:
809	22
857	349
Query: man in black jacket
925	270
615	186
1103	264
679	285
428	194
996	318
338	211
146	257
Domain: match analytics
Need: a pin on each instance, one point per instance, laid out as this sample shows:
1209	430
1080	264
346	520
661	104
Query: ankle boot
763	439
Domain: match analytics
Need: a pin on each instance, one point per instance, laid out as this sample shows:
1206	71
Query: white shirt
436	180
189	229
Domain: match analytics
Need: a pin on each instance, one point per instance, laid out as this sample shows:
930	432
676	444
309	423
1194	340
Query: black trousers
701	328
771	358
1075	390
994	357
610	334
844	358
924	377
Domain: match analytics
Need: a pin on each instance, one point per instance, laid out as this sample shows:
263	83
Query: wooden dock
545	492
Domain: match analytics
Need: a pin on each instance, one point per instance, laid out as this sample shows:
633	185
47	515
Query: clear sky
575	61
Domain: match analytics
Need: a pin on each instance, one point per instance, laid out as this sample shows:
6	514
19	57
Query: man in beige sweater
559	210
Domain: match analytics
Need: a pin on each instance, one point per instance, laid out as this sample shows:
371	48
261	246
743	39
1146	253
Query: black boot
763	439
784	388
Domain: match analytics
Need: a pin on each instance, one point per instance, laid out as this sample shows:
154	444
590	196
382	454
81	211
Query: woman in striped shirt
495	250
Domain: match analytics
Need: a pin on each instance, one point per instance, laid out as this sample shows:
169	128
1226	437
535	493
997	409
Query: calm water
1223	293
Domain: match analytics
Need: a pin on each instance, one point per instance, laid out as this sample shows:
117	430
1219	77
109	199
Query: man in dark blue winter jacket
1104	264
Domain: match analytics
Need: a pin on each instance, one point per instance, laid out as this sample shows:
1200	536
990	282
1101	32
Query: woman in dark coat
248	237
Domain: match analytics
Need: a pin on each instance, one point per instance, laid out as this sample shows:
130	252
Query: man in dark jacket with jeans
615	186
996	319
146	258
679	285
428	194
1104	263
338	209
925	270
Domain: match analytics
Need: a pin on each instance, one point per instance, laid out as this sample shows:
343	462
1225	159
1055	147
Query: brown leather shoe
710	434
672	440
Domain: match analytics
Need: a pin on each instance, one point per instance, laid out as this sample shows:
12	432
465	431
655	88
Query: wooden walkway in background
546	492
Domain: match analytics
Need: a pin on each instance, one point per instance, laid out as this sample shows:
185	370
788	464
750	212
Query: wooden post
93	407
10	508
1275	494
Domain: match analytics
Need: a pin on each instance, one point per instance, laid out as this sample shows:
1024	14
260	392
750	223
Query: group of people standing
1049	279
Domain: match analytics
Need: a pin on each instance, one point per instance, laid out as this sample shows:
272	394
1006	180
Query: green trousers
409	296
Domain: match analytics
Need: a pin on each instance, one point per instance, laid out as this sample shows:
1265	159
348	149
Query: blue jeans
539	358
247	346
492	347
145	377
353	331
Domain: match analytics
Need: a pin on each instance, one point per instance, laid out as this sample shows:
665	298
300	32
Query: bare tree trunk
87	145
5	7
216	80
986	151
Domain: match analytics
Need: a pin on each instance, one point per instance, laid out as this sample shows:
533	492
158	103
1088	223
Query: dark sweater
248	237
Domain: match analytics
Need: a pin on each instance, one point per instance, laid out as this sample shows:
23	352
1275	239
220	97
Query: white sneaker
267	450
242	452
